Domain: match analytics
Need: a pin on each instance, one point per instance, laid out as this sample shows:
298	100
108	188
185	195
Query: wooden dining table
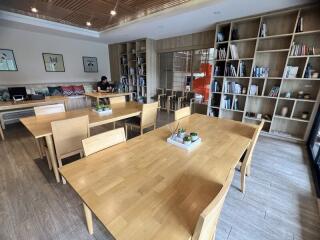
102	95
40	126
148	189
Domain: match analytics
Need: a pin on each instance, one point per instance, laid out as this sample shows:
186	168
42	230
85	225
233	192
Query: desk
40	126
148	189
98	95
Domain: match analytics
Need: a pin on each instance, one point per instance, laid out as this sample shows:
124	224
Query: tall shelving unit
137	68
274	50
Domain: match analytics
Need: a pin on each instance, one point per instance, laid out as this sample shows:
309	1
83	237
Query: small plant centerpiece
187	140
181	132
194	136
102	107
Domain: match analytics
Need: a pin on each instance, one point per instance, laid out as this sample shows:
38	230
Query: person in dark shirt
104	85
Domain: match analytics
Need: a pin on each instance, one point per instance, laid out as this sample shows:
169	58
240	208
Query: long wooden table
100	95
40	126
148	189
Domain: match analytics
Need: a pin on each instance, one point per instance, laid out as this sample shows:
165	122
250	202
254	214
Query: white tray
179	143
105	112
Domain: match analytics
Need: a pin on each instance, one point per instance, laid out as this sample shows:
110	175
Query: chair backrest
178	94
49	109
121	99
181	113
102	141
208	220
190	95
149	114
248	157
159	91
69	133
168	92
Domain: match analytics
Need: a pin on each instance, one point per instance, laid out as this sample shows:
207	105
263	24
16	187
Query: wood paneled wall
187	42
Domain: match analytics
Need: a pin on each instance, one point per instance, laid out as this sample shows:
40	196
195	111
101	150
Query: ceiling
191	17
97	12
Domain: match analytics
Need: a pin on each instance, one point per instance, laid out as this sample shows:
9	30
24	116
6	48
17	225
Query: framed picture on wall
53	62
7	60
90	64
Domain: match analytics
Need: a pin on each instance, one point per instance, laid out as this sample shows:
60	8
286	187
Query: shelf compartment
261	105
298	62
244	82
274	43
214	112
270	83
302	107
294	86
289	128
314	63
280	23
246	28
215	99
255	121
216	85
284	104
245	49
311	39
241	102
225	30
233	115
259	83
275	61
310	17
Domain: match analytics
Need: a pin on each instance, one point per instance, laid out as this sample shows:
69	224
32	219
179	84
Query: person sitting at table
104	85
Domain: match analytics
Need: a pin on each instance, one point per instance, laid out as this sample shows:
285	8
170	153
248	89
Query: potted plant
98	108
181	132
194	136
187	140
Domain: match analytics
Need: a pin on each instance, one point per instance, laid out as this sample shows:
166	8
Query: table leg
88	214
52	154
38	143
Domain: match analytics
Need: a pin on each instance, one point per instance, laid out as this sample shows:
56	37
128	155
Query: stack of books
253	91
231	71
227	102
274	91
215	86
221	54
234	51
299	49
260	71
290	72
232	87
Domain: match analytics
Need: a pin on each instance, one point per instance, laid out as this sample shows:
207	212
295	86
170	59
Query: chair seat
134	121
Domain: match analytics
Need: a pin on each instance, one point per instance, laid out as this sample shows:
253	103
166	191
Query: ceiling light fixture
113	12
34	10
88	24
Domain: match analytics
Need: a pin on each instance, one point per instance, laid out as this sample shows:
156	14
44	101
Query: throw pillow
78	90
55	91
4	94
67	90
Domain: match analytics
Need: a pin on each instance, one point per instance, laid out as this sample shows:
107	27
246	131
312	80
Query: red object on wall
201	85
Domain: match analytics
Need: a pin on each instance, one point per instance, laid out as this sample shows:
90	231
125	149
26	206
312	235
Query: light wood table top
40	126
146	188
10	105
106	95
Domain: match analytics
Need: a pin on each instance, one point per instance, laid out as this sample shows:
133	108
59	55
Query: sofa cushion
42	91
55	91
67	90
78	90
4	94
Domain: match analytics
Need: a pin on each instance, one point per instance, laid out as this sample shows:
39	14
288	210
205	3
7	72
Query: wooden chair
175	100
49	109
245	161
157	97
148	118
1	133
102	141
68	135
114	100
44	110
181	113
208	220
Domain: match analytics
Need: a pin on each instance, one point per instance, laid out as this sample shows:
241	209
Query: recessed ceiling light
216	12
34	10
88	24
113	12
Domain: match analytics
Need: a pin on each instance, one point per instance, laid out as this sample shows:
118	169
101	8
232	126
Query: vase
284	111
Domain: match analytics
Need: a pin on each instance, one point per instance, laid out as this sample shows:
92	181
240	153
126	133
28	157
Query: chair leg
126	127
48	159
248	170
60	165
1	133
243	175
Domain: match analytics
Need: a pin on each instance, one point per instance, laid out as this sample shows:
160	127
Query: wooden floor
279	203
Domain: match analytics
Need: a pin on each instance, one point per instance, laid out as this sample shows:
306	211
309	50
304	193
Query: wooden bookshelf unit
134	68
269	67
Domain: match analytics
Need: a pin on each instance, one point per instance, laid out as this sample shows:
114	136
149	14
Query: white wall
28	48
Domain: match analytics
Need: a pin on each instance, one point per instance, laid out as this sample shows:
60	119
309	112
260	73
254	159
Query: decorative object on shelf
300	95
284	111
235	34
215	86
244	90
305	115
315	75
254	90
260	71
290	71
242	69
90	64
7	60
288	95
235	103
267	117
306	96
300	25
220	37
275	91
53	62
263	31
234	52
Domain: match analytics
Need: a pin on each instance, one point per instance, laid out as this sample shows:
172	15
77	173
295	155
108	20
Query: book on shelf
231	70
242	69
253	90
290	72
235	34
300	49
140	60
300	25
263	31
234	51
227	101
215	87
236	104
217	71
260	71
220	37
274	91
232	87
221	54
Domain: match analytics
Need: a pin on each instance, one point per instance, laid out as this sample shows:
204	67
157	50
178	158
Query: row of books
231	70
232	87
227	102
290	71
140	60
217	71
215	87
242	69
254	90
300	49
274	91
260	71
221	54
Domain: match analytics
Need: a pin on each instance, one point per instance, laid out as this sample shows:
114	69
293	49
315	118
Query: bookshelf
136	70
270	68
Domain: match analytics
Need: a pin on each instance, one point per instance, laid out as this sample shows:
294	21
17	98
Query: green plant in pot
187	140
194	136
181	132
98	108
